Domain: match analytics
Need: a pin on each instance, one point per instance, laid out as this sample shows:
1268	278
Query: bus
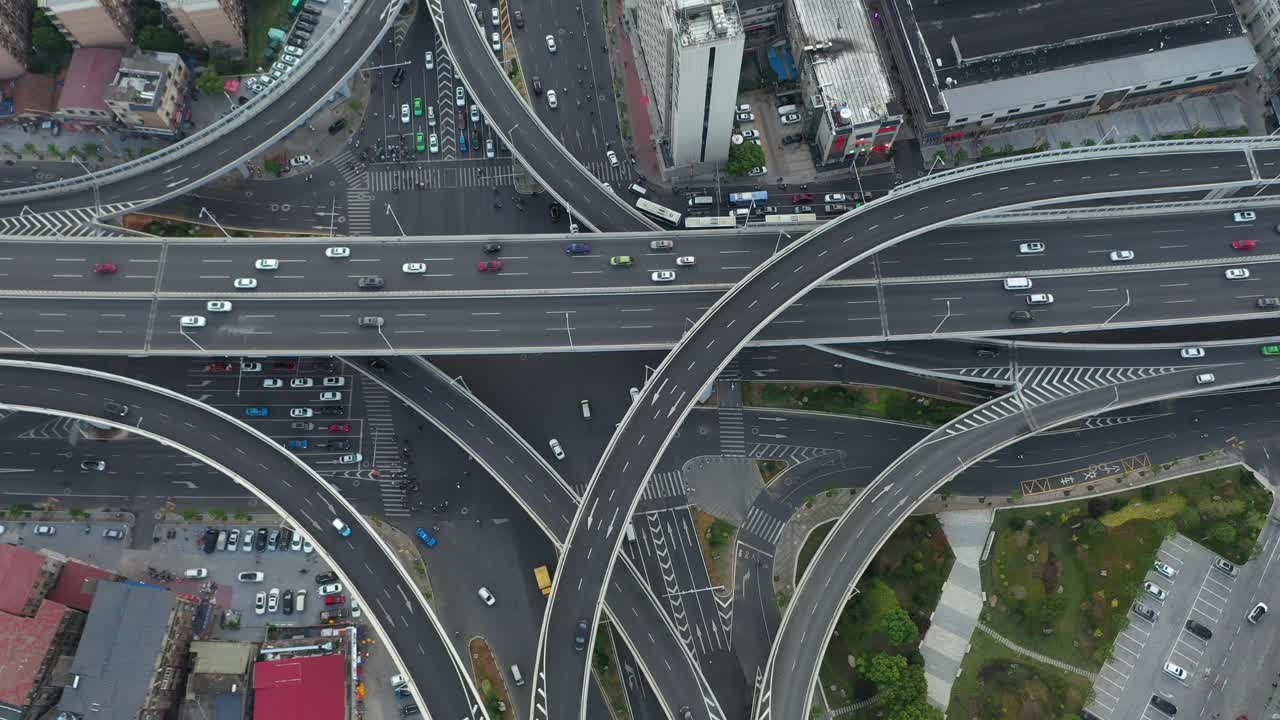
727	221
667	215
790	218
758	198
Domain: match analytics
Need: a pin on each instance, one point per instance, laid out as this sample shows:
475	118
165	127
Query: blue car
427	538
462	142
577	249
297	444
257	411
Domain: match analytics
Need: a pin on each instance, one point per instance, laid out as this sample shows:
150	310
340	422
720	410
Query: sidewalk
632	102
953	621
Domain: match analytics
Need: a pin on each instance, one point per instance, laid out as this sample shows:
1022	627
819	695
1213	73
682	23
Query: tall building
971	70
15	37
1262	20
92	23
146	95
214	24
690	54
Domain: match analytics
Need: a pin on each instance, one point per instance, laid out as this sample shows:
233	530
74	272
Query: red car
221	367
105	268
490	266
335	599
284	365
802	198
340	427
1244	244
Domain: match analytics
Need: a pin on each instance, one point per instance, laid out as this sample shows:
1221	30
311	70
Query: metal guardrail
211	133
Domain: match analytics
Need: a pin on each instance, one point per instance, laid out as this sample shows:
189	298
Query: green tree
1224	533
908	690
76	513
917	711
160	39
209	82
719	533
885	669
48	39
743	157
898	627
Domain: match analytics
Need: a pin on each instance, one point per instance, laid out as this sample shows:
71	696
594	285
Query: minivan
638	189
661	244
631	532
300	601
788	110
586	409
516	676
701	201
1017	283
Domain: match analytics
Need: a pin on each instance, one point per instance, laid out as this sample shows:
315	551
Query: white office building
689	53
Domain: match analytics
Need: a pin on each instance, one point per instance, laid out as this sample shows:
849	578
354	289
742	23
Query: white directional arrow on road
190	485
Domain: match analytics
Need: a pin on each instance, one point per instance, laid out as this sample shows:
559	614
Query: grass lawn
717	538
995	684
489	678
770	469
908	572
888	403
1063	576
603	663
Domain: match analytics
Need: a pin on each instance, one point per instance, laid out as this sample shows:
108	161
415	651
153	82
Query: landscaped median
489	679
860	400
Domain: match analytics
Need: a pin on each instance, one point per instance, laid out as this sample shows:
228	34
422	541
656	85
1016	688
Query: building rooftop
140	79
76	584
86	81
30	93
21	570
981	28
24	643
305	688
221	657
845	58
703	21
116	660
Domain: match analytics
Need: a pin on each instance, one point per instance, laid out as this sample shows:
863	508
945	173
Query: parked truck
543	577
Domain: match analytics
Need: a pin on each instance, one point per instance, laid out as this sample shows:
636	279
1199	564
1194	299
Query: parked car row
260	540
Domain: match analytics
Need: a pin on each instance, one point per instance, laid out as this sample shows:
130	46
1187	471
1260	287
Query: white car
460	96
266	264
196	573
334	381
260	603
686	261
271	383
475	113
488	149
333	395
191	321
45	530
486	597
246	283
551	43
301	382
791	119
1031	248
293	50
415	268
356	612
1155	591
758	171
246	541
1121	255
1165	569
635	394
835	197
662	276
251	367
404	113
1237	273
273	600
295	543
289	60
301	412
431	115
750	134
430	60
250	576
307	547
332	589
1246	216
495	41
613	158
299	160
435	143
556	449
744	116
551	100
744	107
1205	379
493	16
1191	353
337	252
1175	670
218	306
350	459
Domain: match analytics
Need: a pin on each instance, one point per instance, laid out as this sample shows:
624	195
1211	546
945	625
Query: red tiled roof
34	93
70	588
20	569
86	81
24	642
311	687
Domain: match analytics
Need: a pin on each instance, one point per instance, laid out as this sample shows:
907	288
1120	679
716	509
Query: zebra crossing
733	433
763	525
385	453
435	176
65	223
359	199
608	173
1043	385
665	485
795	453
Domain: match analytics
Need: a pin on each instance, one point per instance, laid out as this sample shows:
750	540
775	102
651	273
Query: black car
115	408
377	365
1143	611
1021	316
537	84
556	211
325	578
1199	630
335	444
793	139
1163	705
307	25
518	16
397	78
260	540
333	410
986	351
241	100
337	126
408	710
580	636
492	248
286	535
210	540
287	602
371	282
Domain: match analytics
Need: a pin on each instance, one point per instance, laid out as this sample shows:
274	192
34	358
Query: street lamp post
182	331
853	165
944	319
204	212
1122	307
1113	129
936	159
16	340
384	339
777	245
97	191
392	213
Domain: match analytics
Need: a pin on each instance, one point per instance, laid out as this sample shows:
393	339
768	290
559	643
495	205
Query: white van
300	601
516	676
586	409
701	201
638	189
631	532
787	110
1017	283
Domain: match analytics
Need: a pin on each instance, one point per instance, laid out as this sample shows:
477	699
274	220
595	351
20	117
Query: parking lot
1198	595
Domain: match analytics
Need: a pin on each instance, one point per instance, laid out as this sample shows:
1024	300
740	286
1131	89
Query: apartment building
215	24
15	37
147	93
92	23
